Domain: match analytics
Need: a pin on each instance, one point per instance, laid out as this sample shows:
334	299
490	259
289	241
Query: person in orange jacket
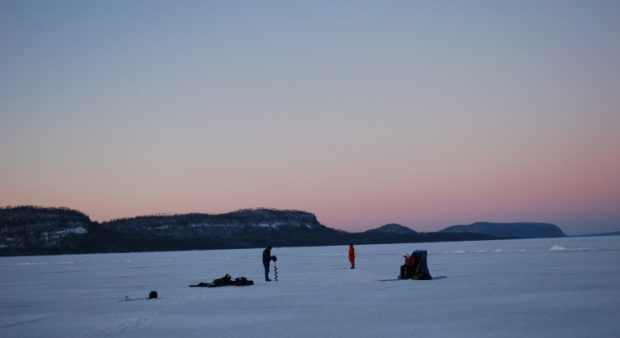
406	270
352	256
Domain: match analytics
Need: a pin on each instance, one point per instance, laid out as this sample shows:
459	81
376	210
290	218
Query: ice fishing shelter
415	266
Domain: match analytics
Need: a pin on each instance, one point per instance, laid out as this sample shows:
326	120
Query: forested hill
509	230
28	230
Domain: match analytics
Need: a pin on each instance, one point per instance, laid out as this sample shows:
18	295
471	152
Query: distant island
507	230
31	230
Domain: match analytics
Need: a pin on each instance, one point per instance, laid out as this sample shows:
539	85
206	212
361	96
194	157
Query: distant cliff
509	230
36	230
238	229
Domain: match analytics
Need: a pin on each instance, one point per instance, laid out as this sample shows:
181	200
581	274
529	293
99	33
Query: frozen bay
560	287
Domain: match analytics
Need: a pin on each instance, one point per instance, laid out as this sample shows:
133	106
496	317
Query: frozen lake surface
563	287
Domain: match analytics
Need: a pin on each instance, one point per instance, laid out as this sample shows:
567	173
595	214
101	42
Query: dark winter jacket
266	255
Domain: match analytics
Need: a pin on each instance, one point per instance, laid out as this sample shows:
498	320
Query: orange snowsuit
352	256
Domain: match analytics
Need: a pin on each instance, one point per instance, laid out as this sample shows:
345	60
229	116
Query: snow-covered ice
561	287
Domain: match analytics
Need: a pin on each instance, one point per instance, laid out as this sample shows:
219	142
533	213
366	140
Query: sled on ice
225	281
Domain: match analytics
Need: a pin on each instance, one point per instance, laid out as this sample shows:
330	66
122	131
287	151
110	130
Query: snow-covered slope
36	229
560	287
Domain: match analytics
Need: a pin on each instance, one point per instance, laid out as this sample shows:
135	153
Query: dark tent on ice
415	266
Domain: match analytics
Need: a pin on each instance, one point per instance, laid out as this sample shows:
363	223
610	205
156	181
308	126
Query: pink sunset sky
421	113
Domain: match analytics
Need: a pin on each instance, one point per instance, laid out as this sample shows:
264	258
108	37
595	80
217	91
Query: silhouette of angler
266	260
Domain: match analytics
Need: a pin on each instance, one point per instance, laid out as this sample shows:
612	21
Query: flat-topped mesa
509	230
236	221
274	218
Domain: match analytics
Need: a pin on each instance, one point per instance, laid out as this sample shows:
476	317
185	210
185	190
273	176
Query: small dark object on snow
224	281
242	281
153	295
